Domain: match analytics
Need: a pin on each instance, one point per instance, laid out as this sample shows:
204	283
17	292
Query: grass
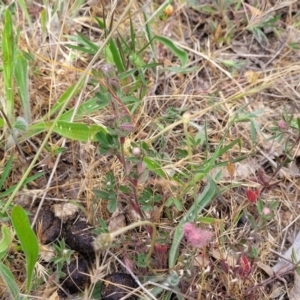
149	117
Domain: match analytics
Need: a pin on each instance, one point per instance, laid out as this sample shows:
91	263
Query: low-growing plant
62	256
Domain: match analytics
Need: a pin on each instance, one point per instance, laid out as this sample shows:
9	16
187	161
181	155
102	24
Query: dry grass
235	76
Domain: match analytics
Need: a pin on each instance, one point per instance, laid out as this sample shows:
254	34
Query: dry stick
84	73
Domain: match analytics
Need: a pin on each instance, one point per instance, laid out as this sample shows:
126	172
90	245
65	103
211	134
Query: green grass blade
21	76
12	188
7	56
84	44
182	55
27	239
76	6
6	171
203	199
132	36
149	33
5	241
9	281
115	52
23	6
159	11
81	49
84	109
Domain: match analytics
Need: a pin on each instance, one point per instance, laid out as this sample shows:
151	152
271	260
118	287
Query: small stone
67	212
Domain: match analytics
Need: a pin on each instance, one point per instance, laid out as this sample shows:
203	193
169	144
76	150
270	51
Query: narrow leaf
6	171
204	198
116	56
84	109
7	57
5	241
24	6
182	55
9	281
27	239
21	76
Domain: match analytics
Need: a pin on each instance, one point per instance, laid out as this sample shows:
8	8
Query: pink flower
282	125
195	236
266	211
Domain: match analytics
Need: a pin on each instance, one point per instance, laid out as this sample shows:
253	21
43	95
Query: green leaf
74	131
207	220
101	194
100	23
154	166
158	12
21	76
27	239
182	55
24	6
9	281
21	124
132	35
115	52
102	138
112	204
77	131
6	171
178	204
84	44
5	241
84	109
87	43
203	199
8	45
298	123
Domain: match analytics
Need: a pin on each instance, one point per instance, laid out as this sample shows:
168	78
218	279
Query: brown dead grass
267	80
